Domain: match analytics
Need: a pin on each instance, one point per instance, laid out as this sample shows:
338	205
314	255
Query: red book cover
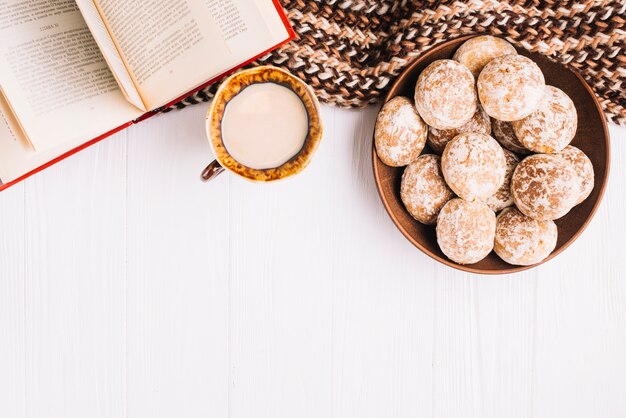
291	36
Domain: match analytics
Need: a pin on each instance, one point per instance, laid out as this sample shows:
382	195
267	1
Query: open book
75	71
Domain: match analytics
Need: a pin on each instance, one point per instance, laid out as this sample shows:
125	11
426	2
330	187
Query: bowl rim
468	268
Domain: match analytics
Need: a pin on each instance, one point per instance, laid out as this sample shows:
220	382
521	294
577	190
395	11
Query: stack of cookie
528	173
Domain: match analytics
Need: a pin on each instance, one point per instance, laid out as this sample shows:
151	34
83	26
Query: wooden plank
484	336
75	285
382	292
12	347
178	253
281	262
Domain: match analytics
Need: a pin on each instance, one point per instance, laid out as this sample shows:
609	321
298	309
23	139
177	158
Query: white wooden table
129	289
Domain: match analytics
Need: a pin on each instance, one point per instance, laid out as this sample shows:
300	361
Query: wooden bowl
592	137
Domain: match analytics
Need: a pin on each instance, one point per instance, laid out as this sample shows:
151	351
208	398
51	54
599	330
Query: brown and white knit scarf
351	50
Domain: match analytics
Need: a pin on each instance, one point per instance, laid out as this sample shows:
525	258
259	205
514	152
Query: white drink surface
264	125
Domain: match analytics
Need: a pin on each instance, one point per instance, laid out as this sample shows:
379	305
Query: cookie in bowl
521	240
552	126
423	189
545	187
510	87
445	96
466	230
474	166
400	132
479	51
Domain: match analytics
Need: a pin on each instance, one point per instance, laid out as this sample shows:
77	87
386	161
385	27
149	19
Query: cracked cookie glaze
445	96
510	87
400	133
479	51
552	126
544	187
423	189
521	240
473	165
465	230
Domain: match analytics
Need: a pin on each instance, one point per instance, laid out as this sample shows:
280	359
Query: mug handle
211	171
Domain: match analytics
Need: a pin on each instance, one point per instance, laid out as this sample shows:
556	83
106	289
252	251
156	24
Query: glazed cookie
521	240
400	133
445	96
510	87
503	132
544	187
502	198
423	189
583	168
552	126
438	138
473	165
465	231
479	51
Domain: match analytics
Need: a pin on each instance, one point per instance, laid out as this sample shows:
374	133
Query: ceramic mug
230	88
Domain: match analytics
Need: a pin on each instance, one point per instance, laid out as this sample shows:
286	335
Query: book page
100	32
17	156
173	46
53	75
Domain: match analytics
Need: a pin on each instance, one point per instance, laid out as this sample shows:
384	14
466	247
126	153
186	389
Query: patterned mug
230	88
